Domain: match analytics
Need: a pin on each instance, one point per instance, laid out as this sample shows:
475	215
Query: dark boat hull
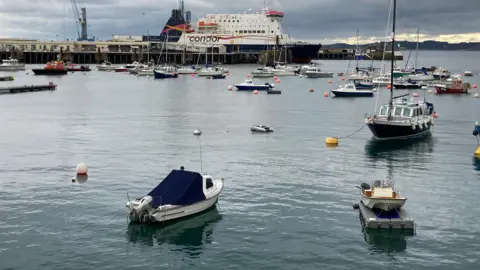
79	69
352	94
41	71
407	86
385	132
162	75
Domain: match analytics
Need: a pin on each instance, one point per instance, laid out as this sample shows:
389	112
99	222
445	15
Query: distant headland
430	45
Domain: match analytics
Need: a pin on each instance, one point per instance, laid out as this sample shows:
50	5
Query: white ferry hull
12	68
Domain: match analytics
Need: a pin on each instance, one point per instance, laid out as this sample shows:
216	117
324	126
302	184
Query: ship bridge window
406	112
384	110
397	112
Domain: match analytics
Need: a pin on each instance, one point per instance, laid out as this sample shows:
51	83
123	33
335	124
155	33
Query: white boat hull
12	68
383	204
210	73
418	78
262	75
284	73
186	71
145	73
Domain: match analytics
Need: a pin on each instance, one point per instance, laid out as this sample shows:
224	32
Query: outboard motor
138	208
365	186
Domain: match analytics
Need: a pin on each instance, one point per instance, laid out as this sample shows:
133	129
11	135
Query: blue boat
248	85
349	90
363	83
165	73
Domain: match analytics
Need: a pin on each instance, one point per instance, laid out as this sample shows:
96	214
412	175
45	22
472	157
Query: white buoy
82	169
476	95
424	87
197	132
230	88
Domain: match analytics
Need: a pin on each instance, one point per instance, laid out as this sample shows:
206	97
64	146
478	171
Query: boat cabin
406	110
380	190
10	62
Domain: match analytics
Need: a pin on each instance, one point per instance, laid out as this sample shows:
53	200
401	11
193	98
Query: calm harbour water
287	199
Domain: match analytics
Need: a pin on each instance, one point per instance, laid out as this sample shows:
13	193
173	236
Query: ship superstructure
242	32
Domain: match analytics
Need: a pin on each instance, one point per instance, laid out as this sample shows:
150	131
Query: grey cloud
304	19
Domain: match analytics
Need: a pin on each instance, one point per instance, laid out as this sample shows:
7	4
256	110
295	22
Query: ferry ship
243	32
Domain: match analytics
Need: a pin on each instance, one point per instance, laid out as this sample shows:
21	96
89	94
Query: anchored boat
248	85
453	85
400	119
381	195
181	194
350	90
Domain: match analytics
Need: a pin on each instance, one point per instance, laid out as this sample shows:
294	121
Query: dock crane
81	20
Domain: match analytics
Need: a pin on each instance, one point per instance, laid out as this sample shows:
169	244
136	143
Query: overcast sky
324	20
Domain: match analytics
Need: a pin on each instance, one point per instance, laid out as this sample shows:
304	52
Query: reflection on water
377	148
476	163
189	235
389	242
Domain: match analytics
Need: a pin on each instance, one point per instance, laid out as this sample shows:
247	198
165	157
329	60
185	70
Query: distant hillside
426	45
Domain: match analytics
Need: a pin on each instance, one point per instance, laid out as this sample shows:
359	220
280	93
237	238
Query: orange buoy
343	79
230	88
389	87
435	115
325	94
311	90
474	86
248	75
329	81
255	92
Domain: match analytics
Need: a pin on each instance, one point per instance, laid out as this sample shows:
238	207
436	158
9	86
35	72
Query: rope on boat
351	134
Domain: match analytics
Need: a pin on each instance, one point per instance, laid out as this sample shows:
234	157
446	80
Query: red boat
73	67
51	68
453	85
121	69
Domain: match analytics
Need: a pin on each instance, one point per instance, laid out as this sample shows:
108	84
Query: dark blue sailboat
400	118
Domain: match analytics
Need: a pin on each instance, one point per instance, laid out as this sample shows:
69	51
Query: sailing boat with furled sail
401	118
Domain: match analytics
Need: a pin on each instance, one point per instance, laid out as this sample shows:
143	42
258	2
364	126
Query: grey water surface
287	202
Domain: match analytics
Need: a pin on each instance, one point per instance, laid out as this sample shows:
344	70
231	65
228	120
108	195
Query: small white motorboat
265	72
187	70
181	194
315	72
11	64
468	73
145	72
381	196
249	85
350	90
261	128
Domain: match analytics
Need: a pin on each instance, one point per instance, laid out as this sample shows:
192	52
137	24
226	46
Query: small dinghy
181	194
218	76
274	92
261	128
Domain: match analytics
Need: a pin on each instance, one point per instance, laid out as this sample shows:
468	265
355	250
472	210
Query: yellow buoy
331	141
477	152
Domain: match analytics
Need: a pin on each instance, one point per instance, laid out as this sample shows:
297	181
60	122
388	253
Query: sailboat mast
418	40
356	50
393	58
